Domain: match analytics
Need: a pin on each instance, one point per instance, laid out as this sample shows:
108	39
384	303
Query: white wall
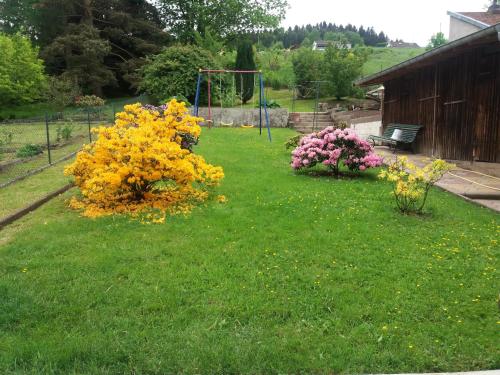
459	29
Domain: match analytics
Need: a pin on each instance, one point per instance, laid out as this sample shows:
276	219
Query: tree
173	72
224	18
245	60
62	91
307	66
78	55
437	40
22	77
341	67
130	30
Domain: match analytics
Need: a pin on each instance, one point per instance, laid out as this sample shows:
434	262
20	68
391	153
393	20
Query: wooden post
434	120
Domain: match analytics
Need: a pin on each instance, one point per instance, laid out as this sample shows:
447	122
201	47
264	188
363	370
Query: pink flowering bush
332	146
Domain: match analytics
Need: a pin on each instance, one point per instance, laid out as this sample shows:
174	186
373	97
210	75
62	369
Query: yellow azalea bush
143	162
411	183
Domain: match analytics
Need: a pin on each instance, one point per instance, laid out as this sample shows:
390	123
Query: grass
284	98
35	133
383	58
20	194
296	273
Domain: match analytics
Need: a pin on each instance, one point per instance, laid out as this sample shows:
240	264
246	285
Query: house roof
478	19
486	36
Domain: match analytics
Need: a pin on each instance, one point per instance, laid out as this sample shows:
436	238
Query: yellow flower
221	199
140	164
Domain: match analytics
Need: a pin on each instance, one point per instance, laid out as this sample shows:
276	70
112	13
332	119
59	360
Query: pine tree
245	61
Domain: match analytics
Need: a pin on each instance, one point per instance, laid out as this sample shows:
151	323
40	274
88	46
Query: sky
412	21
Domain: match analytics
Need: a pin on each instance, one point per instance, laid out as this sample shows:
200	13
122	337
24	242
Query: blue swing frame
262	97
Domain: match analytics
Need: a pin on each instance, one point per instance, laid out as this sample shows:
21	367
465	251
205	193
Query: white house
321	45
466	23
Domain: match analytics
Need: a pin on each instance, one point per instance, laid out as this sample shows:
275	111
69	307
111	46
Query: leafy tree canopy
124	32
223	17
21	71
437	40
174	71
336	68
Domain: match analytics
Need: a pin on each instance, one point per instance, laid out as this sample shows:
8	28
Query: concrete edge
33	206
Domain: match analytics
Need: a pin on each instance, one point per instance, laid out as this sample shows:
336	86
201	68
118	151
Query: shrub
411	183
66	132
270	104
332	146
89	101
143	163
29	150
293	142
174	72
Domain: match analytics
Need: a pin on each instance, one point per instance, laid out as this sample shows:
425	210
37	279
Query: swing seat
226	125
247	126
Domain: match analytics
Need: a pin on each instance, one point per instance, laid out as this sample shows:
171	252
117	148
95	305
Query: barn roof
490	35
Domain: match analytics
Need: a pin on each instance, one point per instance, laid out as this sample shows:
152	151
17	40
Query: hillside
383	58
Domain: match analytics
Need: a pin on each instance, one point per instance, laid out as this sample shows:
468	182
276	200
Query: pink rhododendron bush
335	147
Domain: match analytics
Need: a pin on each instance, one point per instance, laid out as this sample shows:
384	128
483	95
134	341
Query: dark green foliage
174	72
29	150
270	104
245	60
78	55
118	35
306	35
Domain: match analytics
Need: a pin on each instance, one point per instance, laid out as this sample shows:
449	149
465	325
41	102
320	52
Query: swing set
262	99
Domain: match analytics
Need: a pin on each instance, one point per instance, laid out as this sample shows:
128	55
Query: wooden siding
458	103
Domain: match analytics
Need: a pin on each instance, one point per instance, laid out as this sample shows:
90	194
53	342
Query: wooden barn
452	91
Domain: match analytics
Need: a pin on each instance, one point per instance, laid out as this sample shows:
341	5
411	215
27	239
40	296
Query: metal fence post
48	137
88	122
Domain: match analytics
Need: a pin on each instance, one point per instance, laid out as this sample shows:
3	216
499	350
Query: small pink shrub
332	146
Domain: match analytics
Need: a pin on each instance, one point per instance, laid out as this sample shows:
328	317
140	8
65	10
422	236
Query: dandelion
221	199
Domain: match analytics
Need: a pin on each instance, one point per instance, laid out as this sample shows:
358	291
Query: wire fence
29	146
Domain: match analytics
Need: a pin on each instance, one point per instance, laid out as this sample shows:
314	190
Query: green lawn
284	98
24	192
383	58
34	133
295	273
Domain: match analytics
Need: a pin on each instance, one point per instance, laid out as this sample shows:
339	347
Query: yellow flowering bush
411	183
143	162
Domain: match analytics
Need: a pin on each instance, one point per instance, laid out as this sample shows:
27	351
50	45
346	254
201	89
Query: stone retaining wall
278	117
